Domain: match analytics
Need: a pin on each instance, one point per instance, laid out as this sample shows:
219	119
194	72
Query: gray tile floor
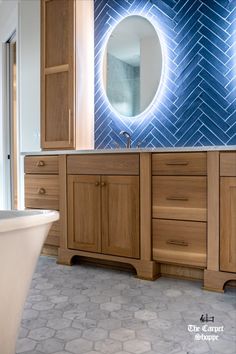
84	309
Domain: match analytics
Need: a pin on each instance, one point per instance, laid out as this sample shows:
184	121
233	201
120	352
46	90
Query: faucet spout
128	138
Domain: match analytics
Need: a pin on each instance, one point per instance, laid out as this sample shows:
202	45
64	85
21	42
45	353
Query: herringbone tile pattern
197	106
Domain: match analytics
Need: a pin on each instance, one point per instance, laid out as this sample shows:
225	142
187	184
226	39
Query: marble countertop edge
132	150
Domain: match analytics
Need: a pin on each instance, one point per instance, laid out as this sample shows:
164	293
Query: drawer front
54	235
41	164
179	164
116	164
42	192
228	164
179	197
180	242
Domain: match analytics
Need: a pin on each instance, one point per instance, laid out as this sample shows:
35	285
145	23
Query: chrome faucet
128	137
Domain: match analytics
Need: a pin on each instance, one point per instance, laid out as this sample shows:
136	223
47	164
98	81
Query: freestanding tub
22	234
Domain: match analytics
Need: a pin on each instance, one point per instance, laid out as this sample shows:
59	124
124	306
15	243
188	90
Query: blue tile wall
197	106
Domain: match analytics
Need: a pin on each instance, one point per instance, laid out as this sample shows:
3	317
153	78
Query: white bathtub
22	234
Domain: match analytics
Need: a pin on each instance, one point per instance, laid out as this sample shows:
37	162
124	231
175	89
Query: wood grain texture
42	191
176	271
228	224
145	206
57	74
147	270
228	164
63	200
179	163
120	215
213	223
84	213
180	242
117	164
179	197
216	281
41	165
53	237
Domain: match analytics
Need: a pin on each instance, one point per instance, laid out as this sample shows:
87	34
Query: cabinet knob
42	191
103	184
41	163
97	184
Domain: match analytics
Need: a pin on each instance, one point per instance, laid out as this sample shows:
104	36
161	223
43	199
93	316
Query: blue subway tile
216	7
214	16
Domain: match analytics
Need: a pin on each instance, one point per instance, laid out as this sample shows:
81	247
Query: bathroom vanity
163	212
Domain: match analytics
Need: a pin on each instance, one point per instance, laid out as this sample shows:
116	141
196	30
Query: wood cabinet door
84	213
120	215
228	224
57	73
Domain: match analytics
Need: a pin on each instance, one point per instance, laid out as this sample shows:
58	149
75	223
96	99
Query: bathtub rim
26	220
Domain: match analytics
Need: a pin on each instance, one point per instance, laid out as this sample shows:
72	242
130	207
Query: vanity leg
64	257
215	281
147	270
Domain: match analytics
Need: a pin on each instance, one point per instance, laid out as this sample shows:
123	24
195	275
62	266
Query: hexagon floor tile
86	309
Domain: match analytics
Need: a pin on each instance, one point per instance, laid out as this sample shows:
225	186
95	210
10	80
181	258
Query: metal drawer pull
42	191
41	163
103	184
177	163
177	242
184	199
97	184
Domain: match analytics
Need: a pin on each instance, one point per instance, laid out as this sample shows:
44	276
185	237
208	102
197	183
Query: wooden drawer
228	164
109	164
54	235
179	197
42	191
180	242
41	164
179	163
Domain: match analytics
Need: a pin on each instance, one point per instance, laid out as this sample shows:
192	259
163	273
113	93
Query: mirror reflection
132	66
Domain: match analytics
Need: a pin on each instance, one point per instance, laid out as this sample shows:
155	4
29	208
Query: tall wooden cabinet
57	73
67	62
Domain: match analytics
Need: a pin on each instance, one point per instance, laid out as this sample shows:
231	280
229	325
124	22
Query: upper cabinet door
57	74
120	215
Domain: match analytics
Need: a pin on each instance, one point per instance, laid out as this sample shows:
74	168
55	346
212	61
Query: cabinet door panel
57	119
84	213
228	224
120	215
57	28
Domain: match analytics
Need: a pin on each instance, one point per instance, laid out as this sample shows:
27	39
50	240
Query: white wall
29	70
8	24
24	17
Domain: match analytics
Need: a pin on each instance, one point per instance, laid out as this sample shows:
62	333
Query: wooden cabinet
179	208
67	117
103	214
57	73
228	212
42	191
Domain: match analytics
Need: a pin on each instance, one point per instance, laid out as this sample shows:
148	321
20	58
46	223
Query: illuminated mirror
132	66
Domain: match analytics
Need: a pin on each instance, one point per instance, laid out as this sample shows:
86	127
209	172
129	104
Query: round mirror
132	66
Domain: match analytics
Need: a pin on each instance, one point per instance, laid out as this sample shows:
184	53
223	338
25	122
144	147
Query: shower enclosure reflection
132	66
